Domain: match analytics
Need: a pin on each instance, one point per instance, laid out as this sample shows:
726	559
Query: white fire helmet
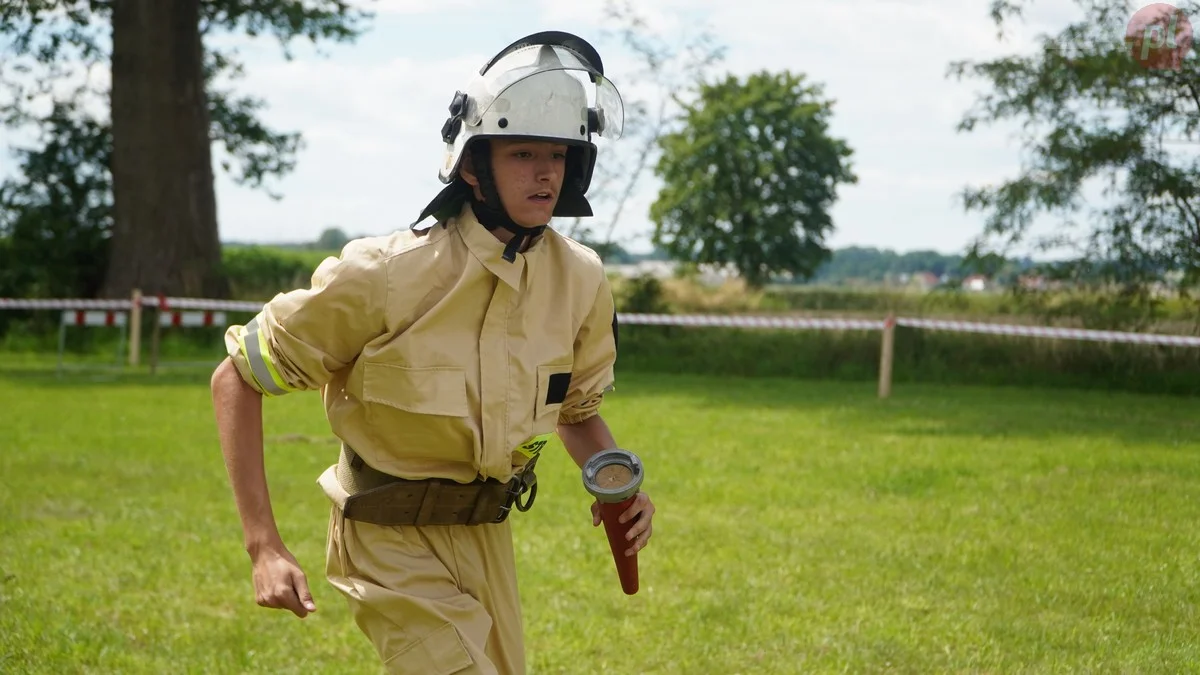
546	86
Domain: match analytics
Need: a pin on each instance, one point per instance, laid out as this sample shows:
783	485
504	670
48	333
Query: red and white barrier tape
167	304
201	304
13	303
205	317
83	317
747	321
1046	331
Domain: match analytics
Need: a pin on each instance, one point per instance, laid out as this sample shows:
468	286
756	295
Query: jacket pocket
437	390
553	385
441	652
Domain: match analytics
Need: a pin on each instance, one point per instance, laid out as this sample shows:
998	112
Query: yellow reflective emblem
533	446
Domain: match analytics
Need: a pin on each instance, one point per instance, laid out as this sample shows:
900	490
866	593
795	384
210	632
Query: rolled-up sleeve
301	338
595	357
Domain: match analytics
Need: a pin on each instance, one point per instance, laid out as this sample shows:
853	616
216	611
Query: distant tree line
877	265
874	265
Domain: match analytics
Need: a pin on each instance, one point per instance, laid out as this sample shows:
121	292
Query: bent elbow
227	381
220	375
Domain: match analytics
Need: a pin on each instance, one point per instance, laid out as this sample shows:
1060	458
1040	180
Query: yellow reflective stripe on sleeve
262	345
242	346
256	355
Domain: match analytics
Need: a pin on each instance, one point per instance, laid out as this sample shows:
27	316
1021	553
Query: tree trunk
165	237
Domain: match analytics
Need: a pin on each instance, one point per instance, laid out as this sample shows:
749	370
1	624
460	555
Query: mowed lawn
803	527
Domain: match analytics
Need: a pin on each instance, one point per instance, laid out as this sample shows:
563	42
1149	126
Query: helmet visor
524	64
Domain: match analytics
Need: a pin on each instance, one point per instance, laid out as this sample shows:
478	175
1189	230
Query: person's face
529	177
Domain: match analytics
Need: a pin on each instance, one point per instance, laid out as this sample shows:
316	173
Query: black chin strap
490	212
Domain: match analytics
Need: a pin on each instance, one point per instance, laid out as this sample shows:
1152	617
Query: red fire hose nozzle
614	478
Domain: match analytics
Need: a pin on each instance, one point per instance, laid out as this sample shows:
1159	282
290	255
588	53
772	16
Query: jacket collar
488	249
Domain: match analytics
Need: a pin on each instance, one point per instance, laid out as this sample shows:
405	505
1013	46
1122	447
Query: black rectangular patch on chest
556	390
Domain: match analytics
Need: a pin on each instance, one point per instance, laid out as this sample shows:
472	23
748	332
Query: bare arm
278	580
240	425
586	438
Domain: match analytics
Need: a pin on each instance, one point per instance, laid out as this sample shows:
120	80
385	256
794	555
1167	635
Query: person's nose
547	170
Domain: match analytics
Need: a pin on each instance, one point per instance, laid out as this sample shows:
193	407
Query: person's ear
467	171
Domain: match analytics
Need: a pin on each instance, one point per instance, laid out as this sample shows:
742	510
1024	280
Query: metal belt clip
524	481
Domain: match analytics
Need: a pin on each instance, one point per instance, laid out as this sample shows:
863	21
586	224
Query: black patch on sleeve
614	331
556	392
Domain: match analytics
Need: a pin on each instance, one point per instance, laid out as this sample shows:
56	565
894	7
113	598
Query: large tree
749	177
153	149
1109	110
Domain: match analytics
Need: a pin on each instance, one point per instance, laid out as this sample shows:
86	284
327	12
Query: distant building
975	283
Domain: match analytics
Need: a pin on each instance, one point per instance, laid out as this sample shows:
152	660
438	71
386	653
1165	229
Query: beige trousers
433	600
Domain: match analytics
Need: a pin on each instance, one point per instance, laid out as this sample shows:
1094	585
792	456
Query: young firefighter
446	357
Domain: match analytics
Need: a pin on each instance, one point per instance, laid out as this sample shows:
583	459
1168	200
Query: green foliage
611	252
643	294
332	239
255	273
1094	117
750	176
259	272
54	225
287	20
869	264
56	216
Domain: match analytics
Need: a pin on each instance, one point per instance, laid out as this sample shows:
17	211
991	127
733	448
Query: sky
371	112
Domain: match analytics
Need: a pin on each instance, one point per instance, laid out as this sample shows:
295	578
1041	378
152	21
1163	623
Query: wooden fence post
887	351
135	328
156	334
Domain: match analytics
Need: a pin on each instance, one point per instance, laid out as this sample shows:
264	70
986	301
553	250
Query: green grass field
803	527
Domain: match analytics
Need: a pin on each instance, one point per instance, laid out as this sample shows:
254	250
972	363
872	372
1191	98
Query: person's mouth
543	197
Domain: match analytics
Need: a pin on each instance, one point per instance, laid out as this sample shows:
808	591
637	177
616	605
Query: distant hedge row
919	356
259	272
